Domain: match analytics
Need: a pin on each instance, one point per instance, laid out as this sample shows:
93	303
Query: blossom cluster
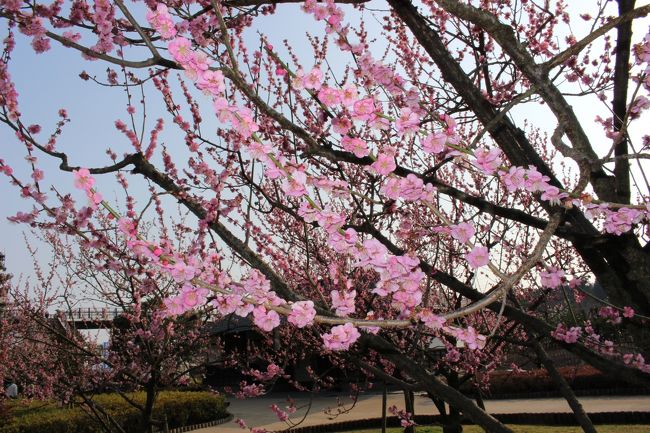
568	335
84	181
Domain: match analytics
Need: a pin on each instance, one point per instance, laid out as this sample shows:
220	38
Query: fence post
165	425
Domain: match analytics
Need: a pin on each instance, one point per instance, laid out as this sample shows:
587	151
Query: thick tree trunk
565	389
384	398
435	386
620	264
619	103
147	413
409	406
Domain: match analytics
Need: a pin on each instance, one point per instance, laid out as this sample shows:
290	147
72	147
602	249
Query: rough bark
565	389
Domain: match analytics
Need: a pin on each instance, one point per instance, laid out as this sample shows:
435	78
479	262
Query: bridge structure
89	317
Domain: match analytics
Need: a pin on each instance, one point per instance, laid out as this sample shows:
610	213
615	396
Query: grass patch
523	429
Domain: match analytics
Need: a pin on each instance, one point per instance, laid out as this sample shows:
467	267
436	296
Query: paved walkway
323	408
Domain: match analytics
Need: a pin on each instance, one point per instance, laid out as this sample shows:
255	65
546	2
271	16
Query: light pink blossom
343	302
463	232
83	179
356	146
385	163
265	319
341	337
435	143
302	313
478	257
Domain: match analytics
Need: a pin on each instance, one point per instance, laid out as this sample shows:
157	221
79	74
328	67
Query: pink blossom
553	195
392	188
470	337
552	277
567	335
302	313
211	82
463	232
37	175
337	187
182	272
478	257
308	212
22	217
225	112
364	109
535	181
435	143
406	300
385	163
174	305
356	146
431	320
372	253
343	243
514	178
265	319
341	337
488	160
341	125
83	179
335	18
349	95
244	123
379	122
313	80
276	171
272	371
161	20
622	220
329	96
642	50
408	122
282	415
181	49
628	312
404	417
193	297
343	302
412	188
259	151
94	198
228	304
294	186
330	220
127	227
611	314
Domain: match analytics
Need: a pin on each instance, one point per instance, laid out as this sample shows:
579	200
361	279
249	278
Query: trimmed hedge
584	380
181	408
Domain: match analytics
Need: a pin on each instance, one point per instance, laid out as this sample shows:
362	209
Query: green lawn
526	429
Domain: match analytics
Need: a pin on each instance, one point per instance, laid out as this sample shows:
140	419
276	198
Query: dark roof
229	324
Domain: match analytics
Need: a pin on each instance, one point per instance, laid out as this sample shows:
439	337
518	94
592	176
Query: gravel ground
323	409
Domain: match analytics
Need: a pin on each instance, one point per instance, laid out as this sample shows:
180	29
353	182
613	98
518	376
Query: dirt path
256	412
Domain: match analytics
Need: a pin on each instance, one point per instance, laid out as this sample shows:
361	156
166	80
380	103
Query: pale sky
49	81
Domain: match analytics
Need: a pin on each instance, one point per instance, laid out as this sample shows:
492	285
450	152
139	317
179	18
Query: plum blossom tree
382	191
147	350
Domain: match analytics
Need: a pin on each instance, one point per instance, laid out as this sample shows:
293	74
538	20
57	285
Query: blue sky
50	81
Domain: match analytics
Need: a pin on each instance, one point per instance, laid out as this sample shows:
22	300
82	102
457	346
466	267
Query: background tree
146	349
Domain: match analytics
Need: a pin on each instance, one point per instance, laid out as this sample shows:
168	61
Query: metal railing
90	314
